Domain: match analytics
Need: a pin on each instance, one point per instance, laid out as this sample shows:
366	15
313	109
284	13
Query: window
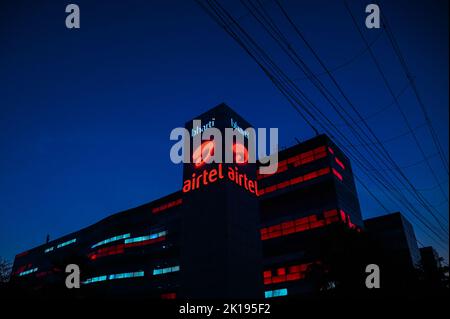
161	271
114	277
66	243
145	238
27	272
298	160
299	225
276	293
294	181
112	239
49	249
283	274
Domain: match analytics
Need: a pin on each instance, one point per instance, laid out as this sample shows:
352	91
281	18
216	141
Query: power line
227	27
348	62
411	80
323	89
388	86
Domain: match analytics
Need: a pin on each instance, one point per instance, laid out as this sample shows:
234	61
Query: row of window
145	238
294	181
128	242
276	293
114	277
112	239
27	272
161	271
283	274
168	205
49	249
299	225
298	160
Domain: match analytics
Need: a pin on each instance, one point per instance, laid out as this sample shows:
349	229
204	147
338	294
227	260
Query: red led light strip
296	180
337	160
299	225
298	160
337	174
168	296
168	205
283	274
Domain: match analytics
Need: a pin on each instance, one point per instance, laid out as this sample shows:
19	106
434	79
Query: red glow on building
299	225
298	160
339	163
284	274
168	205
169	296
337	174
295	180
120	248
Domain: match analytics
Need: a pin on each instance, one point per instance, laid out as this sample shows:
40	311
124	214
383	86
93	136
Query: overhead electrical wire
220	19
389	88
324	91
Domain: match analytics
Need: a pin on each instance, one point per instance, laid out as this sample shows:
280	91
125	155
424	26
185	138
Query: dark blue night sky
85	115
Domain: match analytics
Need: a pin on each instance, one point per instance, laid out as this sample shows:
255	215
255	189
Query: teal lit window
66	243
114	276
109	240
276	293
27	272
166	270
49	249
144	238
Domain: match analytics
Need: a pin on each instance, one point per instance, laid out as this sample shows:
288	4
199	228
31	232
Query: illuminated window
299	225
161	271
145	238
284	274
294	181
112	239
114	277
298	160
27	272
276	293
95	279
49	249
66	243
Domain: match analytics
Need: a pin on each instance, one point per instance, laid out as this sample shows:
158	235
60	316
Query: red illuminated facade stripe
169	296
337	160
337	174
294	181
168	205
299	225
284	274
298	160
120	249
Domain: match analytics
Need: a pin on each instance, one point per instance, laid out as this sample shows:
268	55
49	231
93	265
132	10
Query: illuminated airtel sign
203	154
213	175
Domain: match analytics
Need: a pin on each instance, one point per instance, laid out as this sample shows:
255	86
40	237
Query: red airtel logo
205	152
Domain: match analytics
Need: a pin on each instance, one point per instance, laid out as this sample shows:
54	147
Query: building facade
230	232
